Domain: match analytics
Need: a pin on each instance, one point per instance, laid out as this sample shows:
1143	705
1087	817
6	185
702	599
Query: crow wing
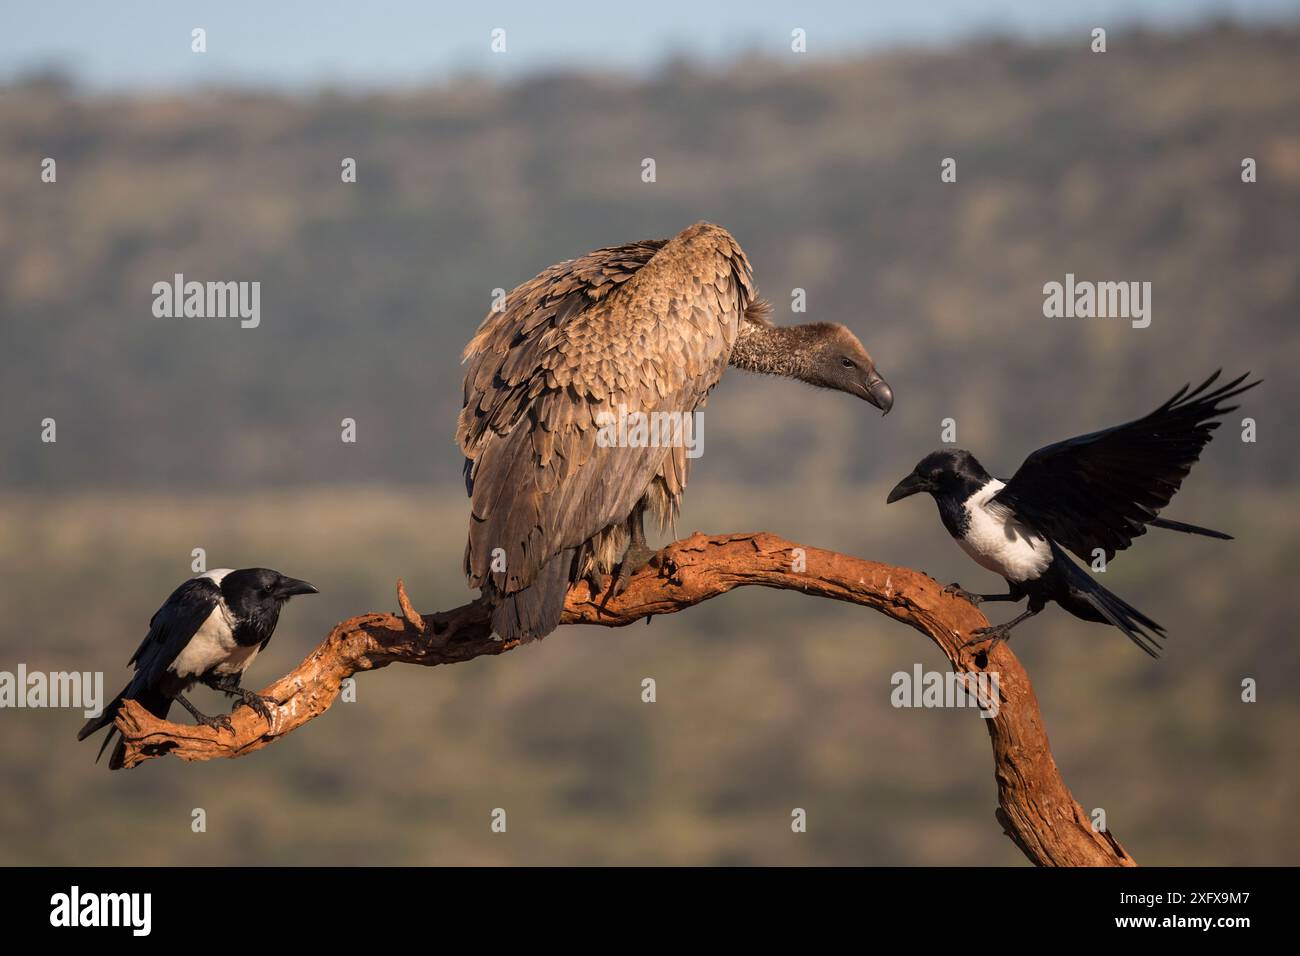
644	327
171	628
1102	490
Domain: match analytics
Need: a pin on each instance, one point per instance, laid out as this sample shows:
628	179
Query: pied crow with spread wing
1091	495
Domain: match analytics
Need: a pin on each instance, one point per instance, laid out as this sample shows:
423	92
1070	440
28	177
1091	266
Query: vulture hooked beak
879	393
911	485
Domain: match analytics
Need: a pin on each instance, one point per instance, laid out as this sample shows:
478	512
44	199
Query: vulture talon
617	582
637	557
594	584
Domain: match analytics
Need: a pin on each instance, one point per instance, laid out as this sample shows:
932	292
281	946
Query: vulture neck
773	349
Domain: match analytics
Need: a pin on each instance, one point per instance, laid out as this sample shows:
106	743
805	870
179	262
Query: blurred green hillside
175	434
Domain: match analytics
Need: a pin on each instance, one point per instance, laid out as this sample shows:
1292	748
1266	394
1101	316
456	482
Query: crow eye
847	363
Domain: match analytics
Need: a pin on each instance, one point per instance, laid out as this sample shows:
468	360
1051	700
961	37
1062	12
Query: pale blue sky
132	44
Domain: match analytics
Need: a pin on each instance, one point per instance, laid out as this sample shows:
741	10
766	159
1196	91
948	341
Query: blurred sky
299	43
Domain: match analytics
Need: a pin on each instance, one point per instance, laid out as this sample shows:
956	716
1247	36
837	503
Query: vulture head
834	358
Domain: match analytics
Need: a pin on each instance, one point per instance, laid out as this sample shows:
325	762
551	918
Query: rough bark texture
1035	808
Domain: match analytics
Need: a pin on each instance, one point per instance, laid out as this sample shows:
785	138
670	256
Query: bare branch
1035	808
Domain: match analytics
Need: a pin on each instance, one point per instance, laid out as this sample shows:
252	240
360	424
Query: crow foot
957	591
993	636
219	722
255	702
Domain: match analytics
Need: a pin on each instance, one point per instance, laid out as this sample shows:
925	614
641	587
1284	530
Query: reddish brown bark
1035	808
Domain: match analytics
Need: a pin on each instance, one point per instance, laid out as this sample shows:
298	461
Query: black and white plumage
208	631
1092	494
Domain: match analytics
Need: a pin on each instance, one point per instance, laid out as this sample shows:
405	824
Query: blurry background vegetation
176	434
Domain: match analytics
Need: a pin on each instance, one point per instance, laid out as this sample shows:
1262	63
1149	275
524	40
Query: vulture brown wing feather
644	327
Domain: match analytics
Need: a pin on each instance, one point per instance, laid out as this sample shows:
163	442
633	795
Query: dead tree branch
1035	808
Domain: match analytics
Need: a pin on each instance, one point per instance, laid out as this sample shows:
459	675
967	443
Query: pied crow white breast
1092	495
208	631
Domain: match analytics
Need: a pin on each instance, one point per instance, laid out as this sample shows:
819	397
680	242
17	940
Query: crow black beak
879	393
291	586
907	487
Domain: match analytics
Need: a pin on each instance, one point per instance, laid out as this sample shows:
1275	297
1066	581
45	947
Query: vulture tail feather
535	611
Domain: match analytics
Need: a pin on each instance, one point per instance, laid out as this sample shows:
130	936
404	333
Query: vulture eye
847	363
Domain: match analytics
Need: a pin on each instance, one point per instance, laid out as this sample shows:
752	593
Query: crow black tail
1112	608
535	611
1188	528
151	700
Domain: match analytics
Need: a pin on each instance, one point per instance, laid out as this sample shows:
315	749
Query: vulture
647	327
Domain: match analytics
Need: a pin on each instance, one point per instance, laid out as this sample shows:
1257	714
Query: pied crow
208	631
1090	494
